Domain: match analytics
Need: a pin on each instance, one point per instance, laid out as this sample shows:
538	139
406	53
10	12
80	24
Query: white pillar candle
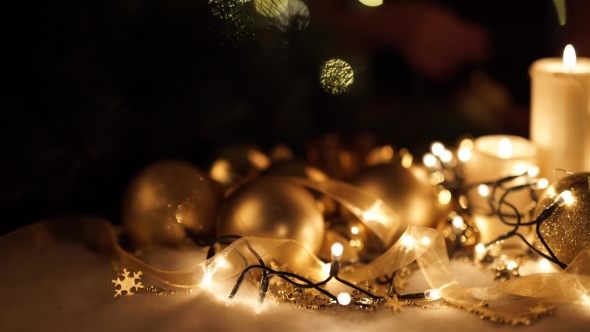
493	158
560	113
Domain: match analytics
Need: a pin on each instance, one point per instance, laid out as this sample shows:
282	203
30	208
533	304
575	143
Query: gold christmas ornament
332	236
460	233
165	200
352	234
567	230
238	163
299	168
272	207
407	191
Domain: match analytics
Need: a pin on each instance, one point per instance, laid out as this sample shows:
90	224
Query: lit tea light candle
560	115
492	158
497	156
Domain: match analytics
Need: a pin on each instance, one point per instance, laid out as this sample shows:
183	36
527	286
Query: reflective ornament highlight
238	163
336	76
406	190
165	200
299	168
272	207
354	236
567	230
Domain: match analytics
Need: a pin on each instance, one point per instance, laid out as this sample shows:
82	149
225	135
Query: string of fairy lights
445	171
448	173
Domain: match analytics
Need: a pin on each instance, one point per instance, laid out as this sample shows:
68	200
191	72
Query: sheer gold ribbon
515	300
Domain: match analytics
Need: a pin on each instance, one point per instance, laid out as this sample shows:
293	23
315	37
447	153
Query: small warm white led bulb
464	154
483	190
533	171
337	250
567	197
544	264
432	294
480	248
344	298
542	183
458	222
407	241
354	230
429	160
437	148
446	156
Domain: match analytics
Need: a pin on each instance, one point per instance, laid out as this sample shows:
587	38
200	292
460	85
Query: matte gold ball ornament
567	230
167	199
407	190
272	207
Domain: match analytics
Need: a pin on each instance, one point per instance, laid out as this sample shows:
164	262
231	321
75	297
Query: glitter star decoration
127	283
395	304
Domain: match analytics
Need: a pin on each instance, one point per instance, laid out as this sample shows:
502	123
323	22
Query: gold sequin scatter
567	230
336	76
234	14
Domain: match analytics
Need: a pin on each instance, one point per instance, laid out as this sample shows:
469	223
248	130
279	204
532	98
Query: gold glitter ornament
567	230
272	207
336	76
460	233
406	190
165	200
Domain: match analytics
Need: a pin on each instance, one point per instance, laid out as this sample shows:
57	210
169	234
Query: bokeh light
336	76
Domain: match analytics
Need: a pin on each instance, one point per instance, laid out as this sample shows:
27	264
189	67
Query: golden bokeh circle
336	76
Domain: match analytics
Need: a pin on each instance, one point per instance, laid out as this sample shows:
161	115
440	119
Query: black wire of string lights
304	283
442	160
499	205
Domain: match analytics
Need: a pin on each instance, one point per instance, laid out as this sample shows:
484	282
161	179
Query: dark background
95	90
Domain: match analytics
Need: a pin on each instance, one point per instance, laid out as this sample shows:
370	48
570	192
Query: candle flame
569	57
505	148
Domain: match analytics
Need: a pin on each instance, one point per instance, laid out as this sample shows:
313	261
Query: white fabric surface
67	288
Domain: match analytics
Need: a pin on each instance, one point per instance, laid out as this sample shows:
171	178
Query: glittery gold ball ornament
336	76
407	191
272	207
165	200
460	233
567	230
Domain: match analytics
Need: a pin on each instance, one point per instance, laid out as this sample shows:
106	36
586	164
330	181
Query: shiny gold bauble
165	200
351	233
238	163
299	168
406	190
272	207
295	168
460	232
567	230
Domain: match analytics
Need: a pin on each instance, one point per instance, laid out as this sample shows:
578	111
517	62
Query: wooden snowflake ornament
127	283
